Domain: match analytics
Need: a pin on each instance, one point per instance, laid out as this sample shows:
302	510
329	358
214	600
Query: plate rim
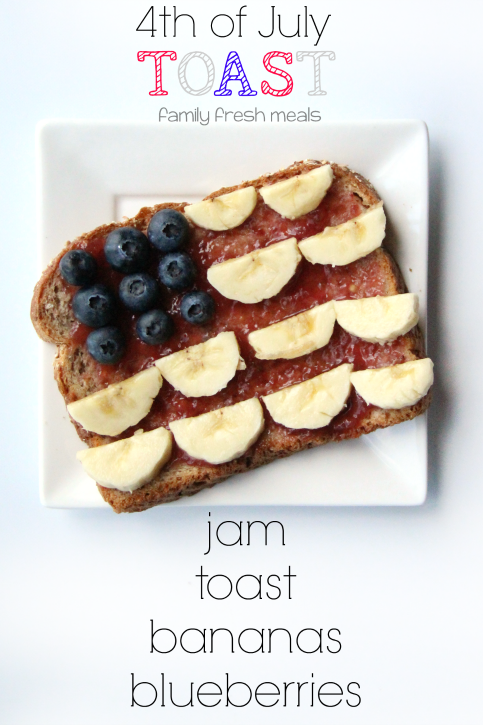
47	126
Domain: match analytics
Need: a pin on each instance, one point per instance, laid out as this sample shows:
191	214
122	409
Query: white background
402	585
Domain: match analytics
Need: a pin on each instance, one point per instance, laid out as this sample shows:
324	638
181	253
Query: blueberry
197	307
154	327
138	292
94	306
177	271
127	250
168	230
106	345
78	267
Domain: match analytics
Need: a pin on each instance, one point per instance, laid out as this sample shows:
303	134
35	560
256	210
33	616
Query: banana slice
223	212
311	404
397	386
347	242
223	434
258	275
378	319
202	369
129	463
295	336
112	410
299	195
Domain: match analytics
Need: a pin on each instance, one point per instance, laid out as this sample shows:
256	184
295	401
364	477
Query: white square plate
91	173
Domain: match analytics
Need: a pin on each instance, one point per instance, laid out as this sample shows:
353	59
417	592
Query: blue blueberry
177	271
168	230
154	327
106	345
127	250
94	306
78	267
197	307
138	292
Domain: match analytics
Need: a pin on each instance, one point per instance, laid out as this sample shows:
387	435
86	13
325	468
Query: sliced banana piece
397	386
221	435
295	336
313	403
117	407
347	242
378	319
223	212
299	195
129	463
258	275
202	369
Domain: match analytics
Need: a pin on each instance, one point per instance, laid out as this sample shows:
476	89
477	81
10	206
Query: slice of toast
78	374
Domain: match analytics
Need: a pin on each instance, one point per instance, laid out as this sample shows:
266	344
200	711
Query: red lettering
158	55
266	87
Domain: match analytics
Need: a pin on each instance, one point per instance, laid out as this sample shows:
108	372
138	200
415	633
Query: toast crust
50	310
187	479
74	371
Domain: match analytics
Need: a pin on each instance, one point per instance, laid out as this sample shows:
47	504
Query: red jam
311	285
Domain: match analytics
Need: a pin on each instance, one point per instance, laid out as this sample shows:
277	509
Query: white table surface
403	585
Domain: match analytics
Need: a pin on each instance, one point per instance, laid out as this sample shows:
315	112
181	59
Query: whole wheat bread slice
76	372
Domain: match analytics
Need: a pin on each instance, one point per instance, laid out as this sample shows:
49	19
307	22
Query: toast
78	374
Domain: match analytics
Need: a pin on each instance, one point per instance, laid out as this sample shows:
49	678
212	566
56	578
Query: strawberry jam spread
312	284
